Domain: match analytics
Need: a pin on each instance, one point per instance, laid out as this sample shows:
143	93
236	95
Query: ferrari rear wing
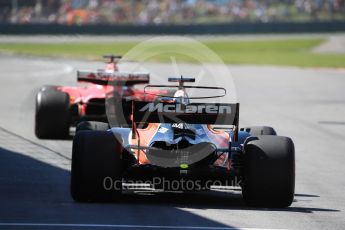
194	113
115	78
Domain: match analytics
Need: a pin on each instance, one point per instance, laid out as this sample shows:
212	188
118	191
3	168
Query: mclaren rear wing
194	113
116	78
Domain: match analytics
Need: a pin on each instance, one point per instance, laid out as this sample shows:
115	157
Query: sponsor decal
179	108
177	125
162	130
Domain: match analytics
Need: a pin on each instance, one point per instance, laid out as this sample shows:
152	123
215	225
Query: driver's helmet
181	97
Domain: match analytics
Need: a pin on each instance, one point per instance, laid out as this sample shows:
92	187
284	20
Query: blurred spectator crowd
168	11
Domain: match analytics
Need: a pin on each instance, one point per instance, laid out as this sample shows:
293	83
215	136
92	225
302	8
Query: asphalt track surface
306	104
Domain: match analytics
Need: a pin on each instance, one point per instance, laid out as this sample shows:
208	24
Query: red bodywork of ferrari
60	107
87	102
95	95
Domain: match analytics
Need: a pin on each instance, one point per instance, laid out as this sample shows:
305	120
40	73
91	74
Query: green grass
289	52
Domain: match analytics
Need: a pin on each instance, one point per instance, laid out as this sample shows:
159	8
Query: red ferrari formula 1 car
179	148
60	107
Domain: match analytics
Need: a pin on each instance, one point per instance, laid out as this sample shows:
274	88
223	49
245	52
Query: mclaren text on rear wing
195	113
116	78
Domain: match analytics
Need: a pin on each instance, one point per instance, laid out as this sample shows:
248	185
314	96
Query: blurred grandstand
138	12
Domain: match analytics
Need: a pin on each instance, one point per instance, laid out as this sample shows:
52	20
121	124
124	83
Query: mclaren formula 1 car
173	144
60	107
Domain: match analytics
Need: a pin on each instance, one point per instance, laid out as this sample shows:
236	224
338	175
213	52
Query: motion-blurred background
309	30
168	11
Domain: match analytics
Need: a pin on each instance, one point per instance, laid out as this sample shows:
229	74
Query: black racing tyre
49	87
92	125
269	172
97	167
52	118
259	130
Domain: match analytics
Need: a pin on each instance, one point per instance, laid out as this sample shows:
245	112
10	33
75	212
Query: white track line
120	226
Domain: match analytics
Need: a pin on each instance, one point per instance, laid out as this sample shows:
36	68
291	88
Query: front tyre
269	172
97	167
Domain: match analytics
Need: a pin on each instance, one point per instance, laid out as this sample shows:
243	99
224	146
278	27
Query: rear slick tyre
52	117
269	172
97	167
92	125
259	130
